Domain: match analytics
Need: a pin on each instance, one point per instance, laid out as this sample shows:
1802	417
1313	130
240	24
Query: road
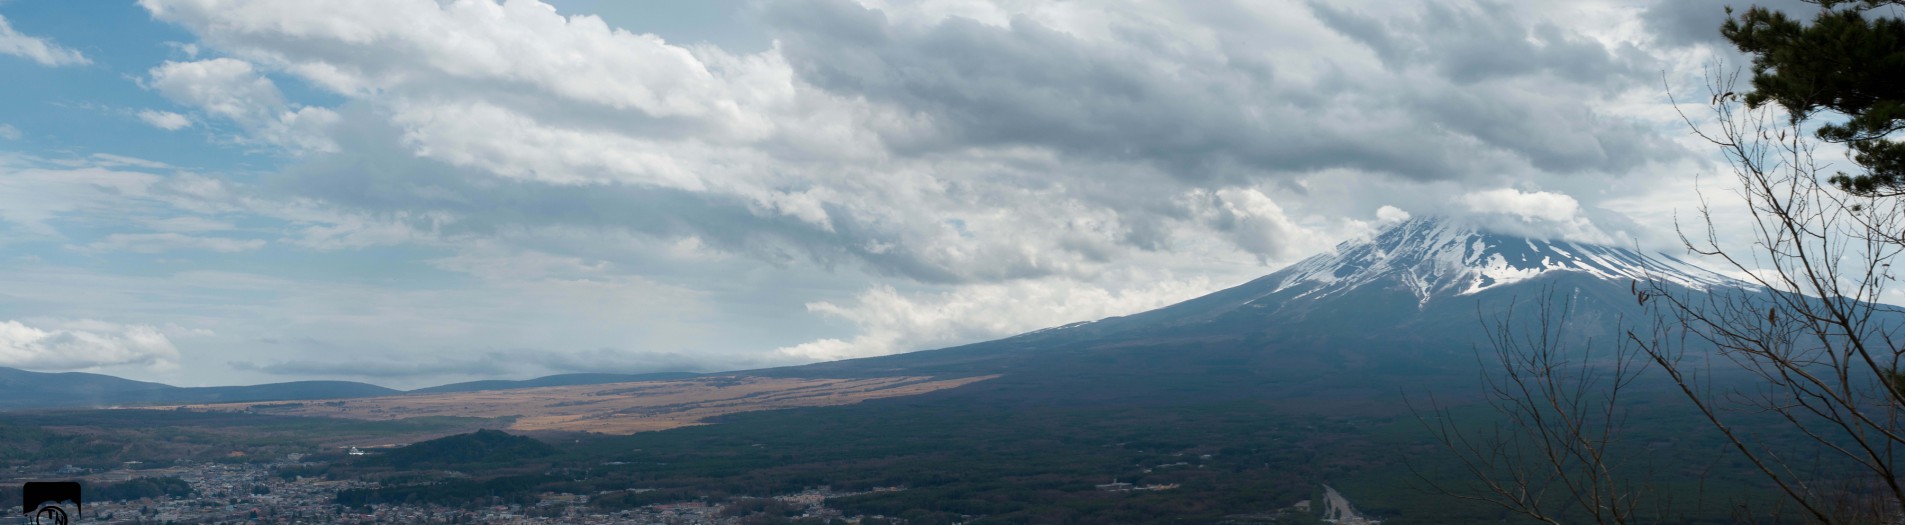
1338	510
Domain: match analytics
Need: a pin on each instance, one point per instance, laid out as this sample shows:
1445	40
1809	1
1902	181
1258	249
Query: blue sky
413	192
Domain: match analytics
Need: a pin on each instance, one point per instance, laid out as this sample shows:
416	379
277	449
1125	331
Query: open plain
613	408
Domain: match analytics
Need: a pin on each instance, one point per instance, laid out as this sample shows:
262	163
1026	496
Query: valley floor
614	408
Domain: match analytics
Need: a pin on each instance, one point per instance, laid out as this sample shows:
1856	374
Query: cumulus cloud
82	344
1252	220
40	50
515	42
1471	43
223	87
1388	215
870	130
1538	214
235	91
1697	22
1166	85
432	63
165	120
888	321
1524	205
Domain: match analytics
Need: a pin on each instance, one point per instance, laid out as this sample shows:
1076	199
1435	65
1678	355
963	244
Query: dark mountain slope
281	392
493	447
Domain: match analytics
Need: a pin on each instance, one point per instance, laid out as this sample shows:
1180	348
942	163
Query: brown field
616	408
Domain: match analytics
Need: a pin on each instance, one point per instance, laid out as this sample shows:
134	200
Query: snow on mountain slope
1435	257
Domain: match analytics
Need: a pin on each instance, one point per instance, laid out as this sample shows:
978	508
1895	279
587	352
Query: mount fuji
1407	305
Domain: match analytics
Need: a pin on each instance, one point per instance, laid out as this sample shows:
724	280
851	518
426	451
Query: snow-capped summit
1437	257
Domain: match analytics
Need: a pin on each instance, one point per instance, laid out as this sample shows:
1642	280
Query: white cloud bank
82	344
1538	214
890	322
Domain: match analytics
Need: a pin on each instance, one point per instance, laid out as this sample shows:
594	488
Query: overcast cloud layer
414	192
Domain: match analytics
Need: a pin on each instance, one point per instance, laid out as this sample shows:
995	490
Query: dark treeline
140	488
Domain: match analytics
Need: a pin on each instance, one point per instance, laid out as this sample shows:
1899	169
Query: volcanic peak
1438	257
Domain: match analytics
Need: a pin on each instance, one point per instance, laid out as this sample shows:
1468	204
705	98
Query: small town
251	493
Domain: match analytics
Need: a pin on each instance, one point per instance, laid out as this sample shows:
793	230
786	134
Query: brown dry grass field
615	408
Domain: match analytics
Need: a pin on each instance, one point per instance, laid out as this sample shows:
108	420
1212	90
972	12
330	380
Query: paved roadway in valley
1339	510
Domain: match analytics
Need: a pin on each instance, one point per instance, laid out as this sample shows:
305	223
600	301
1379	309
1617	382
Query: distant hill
28	390
33	390
72	389
555	380
285	391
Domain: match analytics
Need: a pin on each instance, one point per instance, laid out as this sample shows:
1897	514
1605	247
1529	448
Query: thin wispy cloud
37	49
